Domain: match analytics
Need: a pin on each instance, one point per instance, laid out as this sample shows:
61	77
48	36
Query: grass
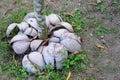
102	30
18	15
101	8
76	20
116	5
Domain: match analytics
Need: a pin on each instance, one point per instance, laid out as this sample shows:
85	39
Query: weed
107	16
97	21
75	20
89	17
1	70
80	79
112	69
89	78
74	60
4	50
85	11
101	8
4	45
116	6
2	27
47	11
101	30
18	15
117	23
16	71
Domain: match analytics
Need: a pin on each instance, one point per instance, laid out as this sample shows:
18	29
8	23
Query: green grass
101	8
1	70
116	5
97	21
75	20
18	15
102	30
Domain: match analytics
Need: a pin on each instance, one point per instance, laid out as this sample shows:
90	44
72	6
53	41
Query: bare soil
104	64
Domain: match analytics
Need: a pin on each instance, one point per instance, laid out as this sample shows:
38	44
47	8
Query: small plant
97	21
18	15
16	71
47	11
74	60
3	50
89	78
1	70
74	19
80	79
101	30
101	8
116	6
2	28
4	45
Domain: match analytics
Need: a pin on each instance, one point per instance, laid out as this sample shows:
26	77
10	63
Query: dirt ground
104	64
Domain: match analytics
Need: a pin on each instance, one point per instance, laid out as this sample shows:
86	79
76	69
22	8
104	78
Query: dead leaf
94	4
45	42
73	25
33	38
7	10
14	60
100	46
68	77
91	65
14	1
75	52
42	73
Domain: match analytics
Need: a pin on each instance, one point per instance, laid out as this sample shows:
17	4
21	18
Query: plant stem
38	7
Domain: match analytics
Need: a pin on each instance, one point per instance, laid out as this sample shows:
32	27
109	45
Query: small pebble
91	65
91	34
101	37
